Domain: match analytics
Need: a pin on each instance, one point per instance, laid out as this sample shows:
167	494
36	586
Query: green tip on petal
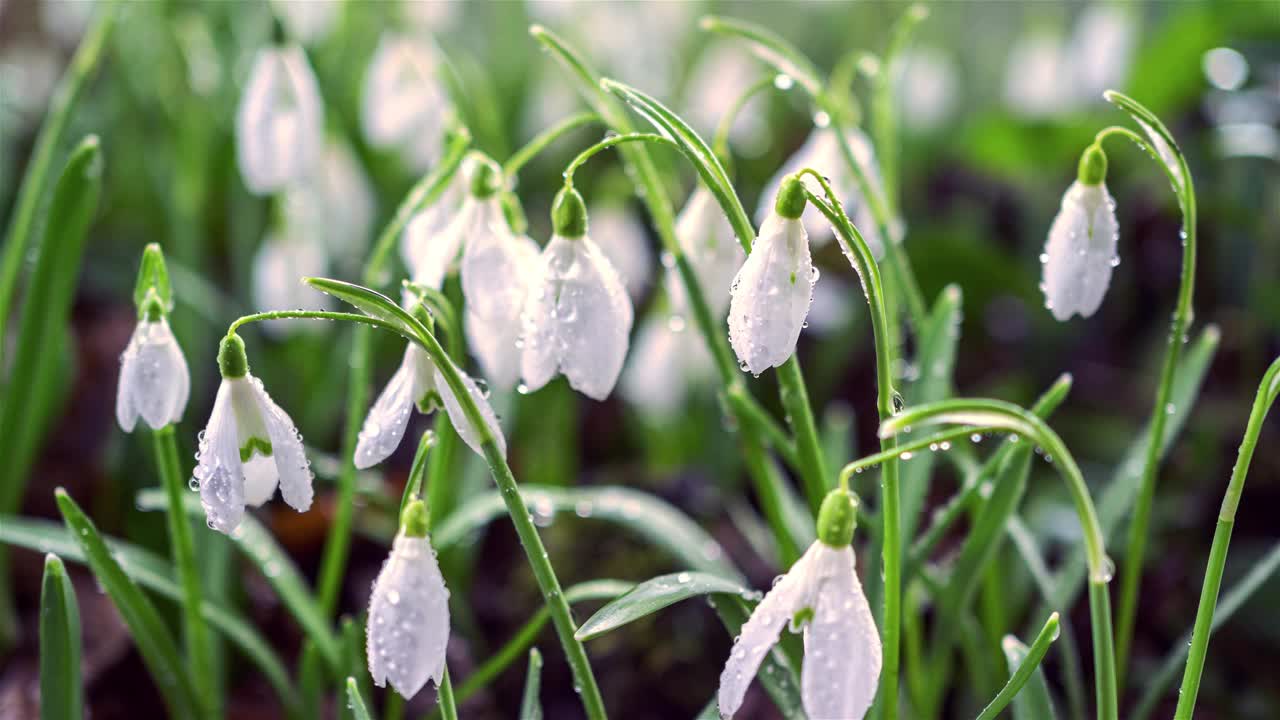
837	518
232	361
1093	166
414	519
153	275
152	308
791	200
486	176
569	213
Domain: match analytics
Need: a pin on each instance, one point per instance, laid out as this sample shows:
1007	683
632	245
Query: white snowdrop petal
493	342
408	625
181	377
771	296
280	121
842	654
461	423
539	346
760	632
1080	251
662	366
385	424
218	469
286	447
154	382
260	479
594	316
496	269
624	242
437	254
708	241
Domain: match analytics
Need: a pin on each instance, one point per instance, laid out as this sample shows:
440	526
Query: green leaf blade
653	595
530	705
61	692
355	703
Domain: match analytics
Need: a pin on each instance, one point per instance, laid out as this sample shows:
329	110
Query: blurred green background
997	99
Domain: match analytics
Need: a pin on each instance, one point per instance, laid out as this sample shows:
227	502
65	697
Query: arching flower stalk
154	381
577	317
771	293
820	596
1081	249
280	122
248	448
408	628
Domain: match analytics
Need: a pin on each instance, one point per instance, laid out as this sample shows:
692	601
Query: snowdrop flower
435	241
248	448
665	364
280	122
1081	250
820	594
281	260
706	238
308	21
577	317
821	151
622	237
408	628
405	104
419	382
771	293
927	87
1038	79
496	265
1101	49
425	227
154	381
336	205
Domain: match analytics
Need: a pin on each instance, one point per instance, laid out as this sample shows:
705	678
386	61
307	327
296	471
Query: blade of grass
1033	701
355	703
61	690
1023	667
653	595
154	573
530	706
154	641
354	660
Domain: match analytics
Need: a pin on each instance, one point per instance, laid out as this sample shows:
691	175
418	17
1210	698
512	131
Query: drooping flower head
419	382
154	381
408	626
771	293
280	122
820	596
436	243
706	238
405	105
249	447
577	317
1081	250
496	267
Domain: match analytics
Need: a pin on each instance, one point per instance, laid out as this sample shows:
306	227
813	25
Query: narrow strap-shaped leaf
61	691
354	659
256	544
156	574
355	703
649	517
44	313
1033	702
772	49
653	595
1162	148
150	634
372	303
1023	663
530	705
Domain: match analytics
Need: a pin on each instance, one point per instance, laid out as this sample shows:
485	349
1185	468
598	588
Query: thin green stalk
613	140
813	462
199	653
448	707
542	140
1028	666
884	102
1267	392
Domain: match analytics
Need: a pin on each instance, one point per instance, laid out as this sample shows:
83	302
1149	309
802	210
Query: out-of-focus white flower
1080	252
1102	49
495	270
281	262
419	382
821	596
28	74
66	21
337	205
722	73
280	122
821	151
770	295
154	381
309	21
577	317
927	88
622	237
1038	80
425	227
248	448
707	239
408	627
405	105
664	364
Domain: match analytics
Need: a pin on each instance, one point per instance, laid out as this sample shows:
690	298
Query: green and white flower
1081	250
154	380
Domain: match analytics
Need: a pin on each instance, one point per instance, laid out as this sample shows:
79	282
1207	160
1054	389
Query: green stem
745	408
1025	670
542	140
813	461
884	103
199	650
308	315
448	708
1267	392
609	142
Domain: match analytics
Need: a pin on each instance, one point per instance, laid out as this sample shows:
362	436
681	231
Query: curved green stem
199	649
609	142
1158	146
1268	389
308	315
542	140
1007	416
937	441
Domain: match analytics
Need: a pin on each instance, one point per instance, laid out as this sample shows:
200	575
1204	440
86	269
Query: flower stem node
414	519
569	213
791	200
232	361
486	176
837	518
1093	166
